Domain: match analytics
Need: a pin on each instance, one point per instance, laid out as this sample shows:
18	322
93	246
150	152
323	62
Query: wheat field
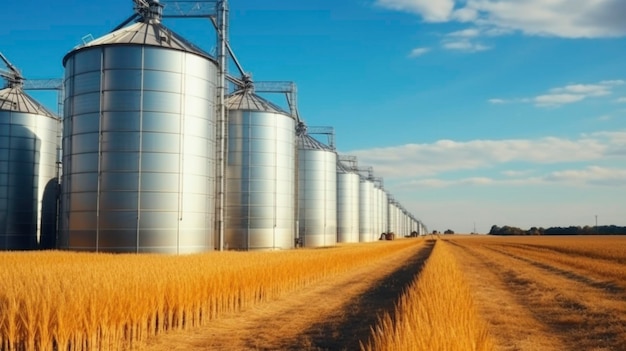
436	313
85	301
463	293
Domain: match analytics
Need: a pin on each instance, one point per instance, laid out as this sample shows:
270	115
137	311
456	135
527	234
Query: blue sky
475	112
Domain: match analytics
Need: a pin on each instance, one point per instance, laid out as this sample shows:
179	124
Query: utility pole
597	225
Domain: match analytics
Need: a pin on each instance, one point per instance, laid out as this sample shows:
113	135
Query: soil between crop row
333	314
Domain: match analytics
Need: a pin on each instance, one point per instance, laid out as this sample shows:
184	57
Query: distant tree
571	230
449	231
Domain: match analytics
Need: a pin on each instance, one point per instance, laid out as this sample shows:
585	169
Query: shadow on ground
361	314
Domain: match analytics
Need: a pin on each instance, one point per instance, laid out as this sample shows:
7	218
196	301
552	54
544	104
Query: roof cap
246	100
307	142
15	99
150	33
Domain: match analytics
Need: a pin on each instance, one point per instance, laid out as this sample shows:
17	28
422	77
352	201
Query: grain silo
260	175
366	203
384	211
139	142
317	193
28	168
393	216
347	200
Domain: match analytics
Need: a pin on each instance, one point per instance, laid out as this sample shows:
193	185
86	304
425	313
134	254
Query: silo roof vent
149	10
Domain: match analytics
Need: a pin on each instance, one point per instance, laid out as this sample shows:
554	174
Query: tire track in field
497	294
607	286
361	313
328	315
620	260
586	317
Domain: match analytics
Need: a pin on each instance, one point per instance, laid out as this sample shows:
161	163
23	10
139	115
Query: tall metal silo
139	142
375	212
347	200
28	168
317	193
393	217
366	194
384	209
260	175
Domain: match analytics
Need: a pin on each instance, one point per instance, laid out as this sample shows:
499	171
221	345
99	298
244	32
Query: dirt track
330	315
535	299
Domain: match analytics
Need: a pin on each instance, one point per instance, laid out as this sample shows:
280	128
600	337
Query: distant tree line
572	230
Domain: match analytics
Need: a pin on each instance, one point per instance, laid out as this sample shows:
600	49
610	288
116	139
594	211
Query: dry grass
436	312
85	301
562	284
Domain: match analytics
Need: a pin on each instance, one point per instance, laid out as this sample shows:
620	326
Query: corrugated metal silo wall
347	207
317	197
376	212
28	183
260	205
385	212
138	150
391	217
366	230
379	211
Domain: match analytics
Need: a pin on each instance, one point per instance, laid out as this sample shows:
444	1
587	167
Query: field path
536	299
333	314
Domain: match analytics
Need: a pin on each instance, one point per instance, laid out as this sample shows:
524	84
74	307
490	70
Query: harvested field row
538	299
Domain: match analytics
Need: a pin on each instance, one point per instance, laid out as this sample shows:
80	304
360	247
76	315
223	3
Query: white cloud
570	19
430	10
594	175
557	99
465	33
566	95
621	100
418	52
445	156
464	40
465	14
591	175
464	45
516	174
603	88
560	18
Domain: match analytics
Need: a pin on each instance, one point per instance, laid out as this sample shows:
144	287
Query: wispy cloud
591	175
464	40
465	33
568	19
566	95
621	100
511	173
418	52
464	45
430	11
448	156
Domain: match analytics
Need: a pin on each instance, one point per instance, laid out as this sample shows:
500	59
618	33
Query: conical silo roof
150	33
15	99
246	100
309	143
